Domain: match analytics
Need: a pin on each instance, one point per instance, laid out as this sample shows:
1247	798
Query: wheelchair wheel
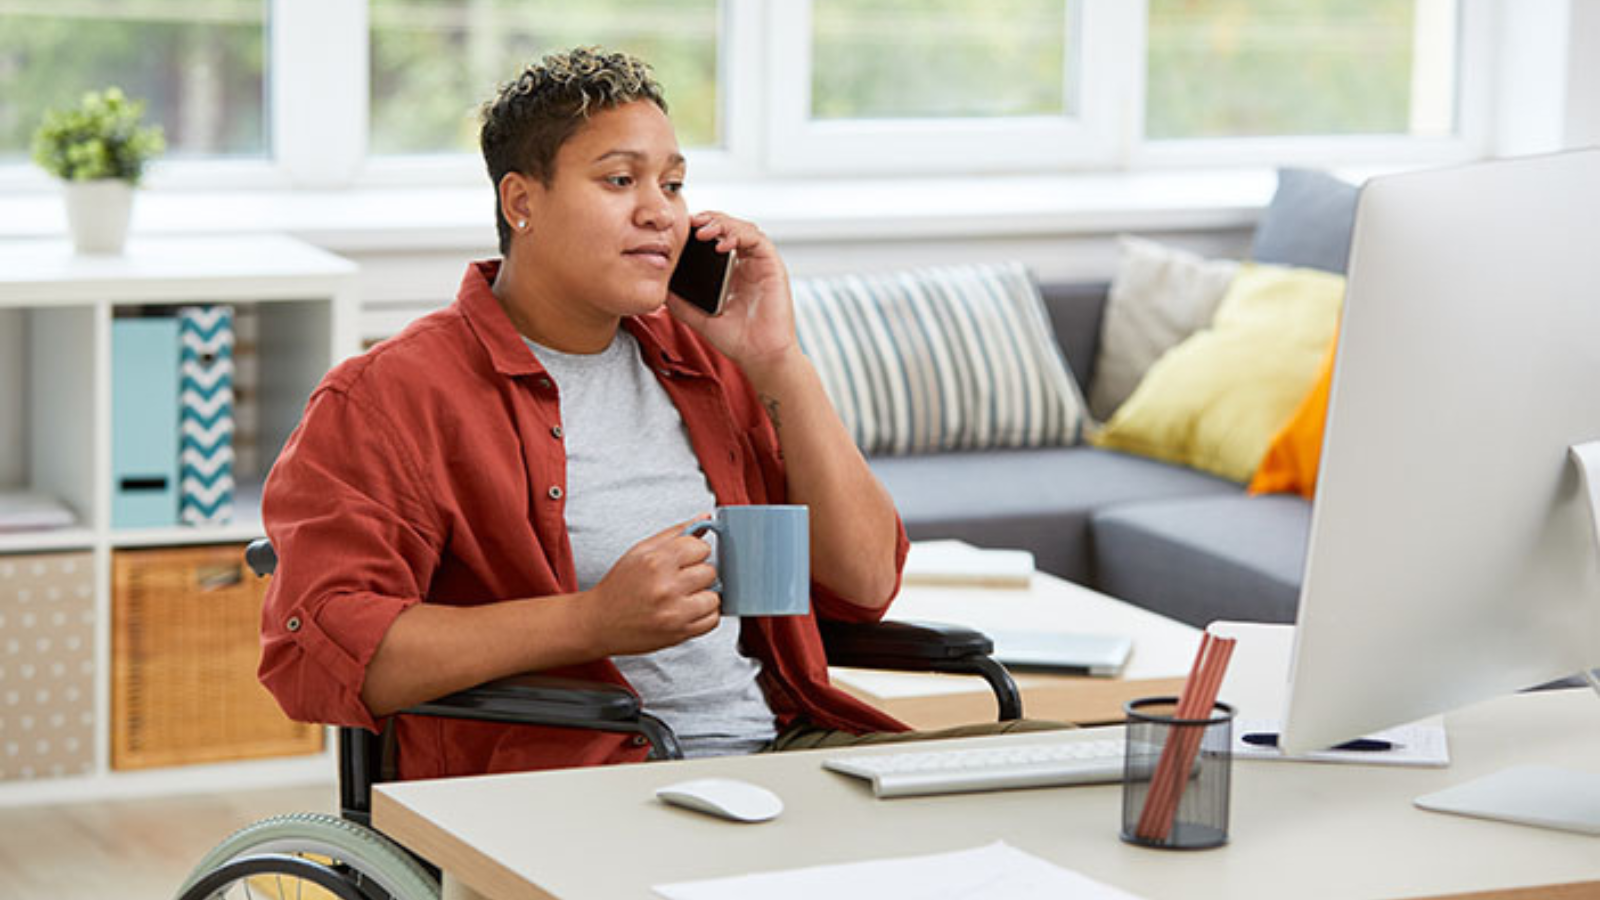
308	855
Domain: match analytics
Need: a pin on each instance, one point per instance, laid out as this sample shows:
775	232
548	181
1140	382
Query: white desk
1163	650
1298	830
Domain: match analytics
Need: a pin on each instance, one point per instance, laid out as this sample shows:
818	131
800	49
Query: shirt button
293	624
554	492
556	432
544	382
640	740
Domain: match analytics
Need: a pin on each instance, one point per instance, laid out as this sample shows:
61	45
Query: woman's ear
516	201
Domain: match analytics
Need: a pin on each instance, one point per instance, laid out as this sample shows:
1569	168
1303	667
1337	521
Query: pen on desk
1270	739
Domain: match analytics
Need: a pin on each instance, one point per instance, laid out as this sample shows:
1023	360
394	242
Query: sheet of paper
33	511
997	871
1421	743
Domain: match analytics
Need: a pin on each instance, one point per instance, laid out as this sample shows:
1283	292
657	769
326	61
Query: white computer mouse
740	801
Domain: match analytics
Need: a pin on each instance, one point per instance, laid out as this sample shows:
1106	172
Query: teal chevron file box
205	415
144	422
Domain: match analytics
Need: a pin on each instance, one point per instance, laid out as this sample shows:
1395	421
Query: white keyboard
916	772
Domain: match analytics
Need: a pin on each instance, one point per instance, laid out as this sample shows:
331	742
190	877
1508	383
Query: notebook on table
1100	655
951	563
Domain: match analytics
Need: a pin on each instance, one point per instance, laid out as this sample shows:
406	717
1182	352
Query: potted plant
98	149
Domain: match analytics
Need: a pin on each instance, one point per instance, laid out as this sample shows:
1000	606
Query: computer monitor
1453	553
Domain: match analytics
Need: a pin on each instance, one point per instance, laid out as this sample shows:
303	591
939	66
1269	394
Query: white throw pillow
1159	297
945	358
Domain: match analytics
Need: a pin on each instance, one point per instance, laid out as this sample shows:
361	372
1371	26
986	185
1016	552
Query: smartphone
702	275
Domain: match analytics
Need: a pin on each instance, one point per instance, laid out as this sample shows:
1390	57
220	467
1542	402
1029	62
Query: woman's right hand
657	595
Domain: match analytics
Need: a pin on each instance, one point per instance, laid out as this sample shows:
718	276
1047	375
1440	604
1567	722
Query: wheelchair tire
268	872
371	860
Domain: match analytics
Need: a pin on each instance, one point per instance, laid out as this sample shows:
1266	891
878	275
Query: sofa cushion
1215	401
1308	222
1159	297
1206	558
1075	309
1035	500
1292	459
945	358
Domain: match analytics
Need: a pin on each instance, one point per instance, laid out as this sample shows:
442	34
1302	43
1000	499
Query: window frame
739	27
318	105
318	100
1109	132
798	144
246	172
1475	54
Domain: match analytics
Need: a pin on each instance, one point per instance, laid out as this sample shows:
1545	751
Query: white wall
398	287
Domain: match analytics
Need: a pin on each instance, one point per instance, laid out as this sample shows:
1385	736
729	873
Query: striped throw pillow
946	358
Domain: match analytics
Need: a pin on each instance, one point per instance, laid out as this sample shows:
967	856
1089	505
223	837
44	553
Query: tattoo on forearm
771	403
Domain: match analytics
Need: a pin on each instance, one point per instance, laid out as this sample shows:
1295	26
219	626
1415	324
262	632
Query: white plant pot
97	214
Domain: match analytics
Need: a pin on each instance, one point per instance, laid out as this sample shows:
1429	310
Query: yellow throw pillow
1215	401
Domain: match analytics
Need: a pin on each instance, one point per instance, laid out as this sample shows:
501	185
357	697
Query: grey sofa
1174	540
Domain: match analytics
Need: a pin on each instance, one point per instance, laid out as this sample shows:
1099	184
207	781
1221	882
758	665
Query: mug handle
699	528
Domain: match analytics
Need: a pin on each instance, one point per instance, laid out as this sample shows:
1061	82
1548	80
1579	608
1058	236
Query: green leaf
100	138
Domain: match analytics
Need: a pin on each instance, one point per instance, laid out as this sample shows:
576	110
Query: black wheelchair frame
558	702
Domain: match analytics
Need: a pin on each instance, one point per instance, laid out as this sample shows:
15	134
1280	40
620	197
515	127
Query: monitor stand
1542	796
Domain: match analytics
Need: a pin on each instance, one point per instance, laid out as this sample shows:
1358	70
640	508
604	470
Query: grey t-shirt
631	472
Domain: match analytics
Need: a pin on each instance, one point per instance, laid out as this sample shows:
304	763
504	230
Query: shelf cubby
296	315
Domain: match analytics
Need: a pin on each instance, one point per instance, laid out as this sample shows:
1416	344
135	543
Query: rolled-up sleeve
830	605
356	547
767	481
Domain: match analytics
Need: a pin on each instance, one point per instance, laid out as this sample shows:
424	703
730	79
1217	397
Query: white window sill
374	219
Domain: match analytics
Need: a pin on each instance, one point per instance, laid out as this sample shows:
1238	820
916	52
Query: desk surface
1163	650
1302	830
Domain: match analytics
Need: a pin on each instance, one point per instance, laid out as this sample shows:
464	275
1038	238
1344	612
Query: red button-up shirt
426	471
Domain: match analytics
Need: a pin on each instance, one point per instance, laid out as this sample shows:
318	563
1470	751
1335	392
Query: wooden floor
130	849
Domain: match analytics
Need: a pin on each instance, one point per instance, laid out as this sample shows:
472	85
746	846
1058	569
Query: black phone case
699	275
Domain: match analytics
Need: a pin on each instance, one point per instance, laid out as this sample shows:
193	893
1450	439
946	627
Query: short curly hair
534	114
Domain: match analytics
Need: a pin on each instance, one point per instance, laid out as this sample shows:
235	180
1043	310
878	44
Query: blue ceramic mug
763	559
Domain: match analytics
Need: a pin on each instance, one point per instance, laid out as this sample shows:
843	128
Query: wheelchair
344	857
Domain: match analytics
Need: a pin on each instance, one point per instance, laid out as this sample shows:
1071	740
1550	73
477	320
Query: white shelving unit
56	310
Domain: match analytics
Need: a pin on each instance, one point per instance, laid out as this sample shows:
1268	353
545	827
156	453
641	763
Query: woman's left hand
756	327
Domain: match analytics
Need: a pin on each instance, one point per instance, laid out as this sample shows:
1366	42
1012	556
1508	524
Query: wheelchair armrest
535	699
921	647
559	702
910	646
519	700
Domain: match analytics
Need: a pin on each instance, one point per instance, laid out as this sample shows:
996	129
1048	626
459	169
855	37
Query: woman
503	487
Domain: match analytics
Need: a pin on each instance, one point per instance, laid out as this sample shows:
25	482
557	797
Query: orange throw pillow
1290	465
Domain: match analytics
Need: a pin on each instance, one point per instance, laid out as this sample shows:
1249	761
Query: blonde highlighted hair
532	115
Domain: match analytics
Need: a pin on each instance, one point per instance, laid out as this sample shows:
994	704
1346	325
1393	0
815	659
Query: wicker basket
184	652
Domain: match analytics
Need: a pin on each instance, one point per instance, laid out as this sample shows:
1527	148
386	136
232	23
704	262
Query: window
901	86
199	66
1008	85
930	59
386	92
1225	68
435	61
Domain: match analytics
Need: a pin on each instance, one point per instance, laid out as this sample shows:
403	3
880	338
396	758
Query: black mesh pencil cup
1176	776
